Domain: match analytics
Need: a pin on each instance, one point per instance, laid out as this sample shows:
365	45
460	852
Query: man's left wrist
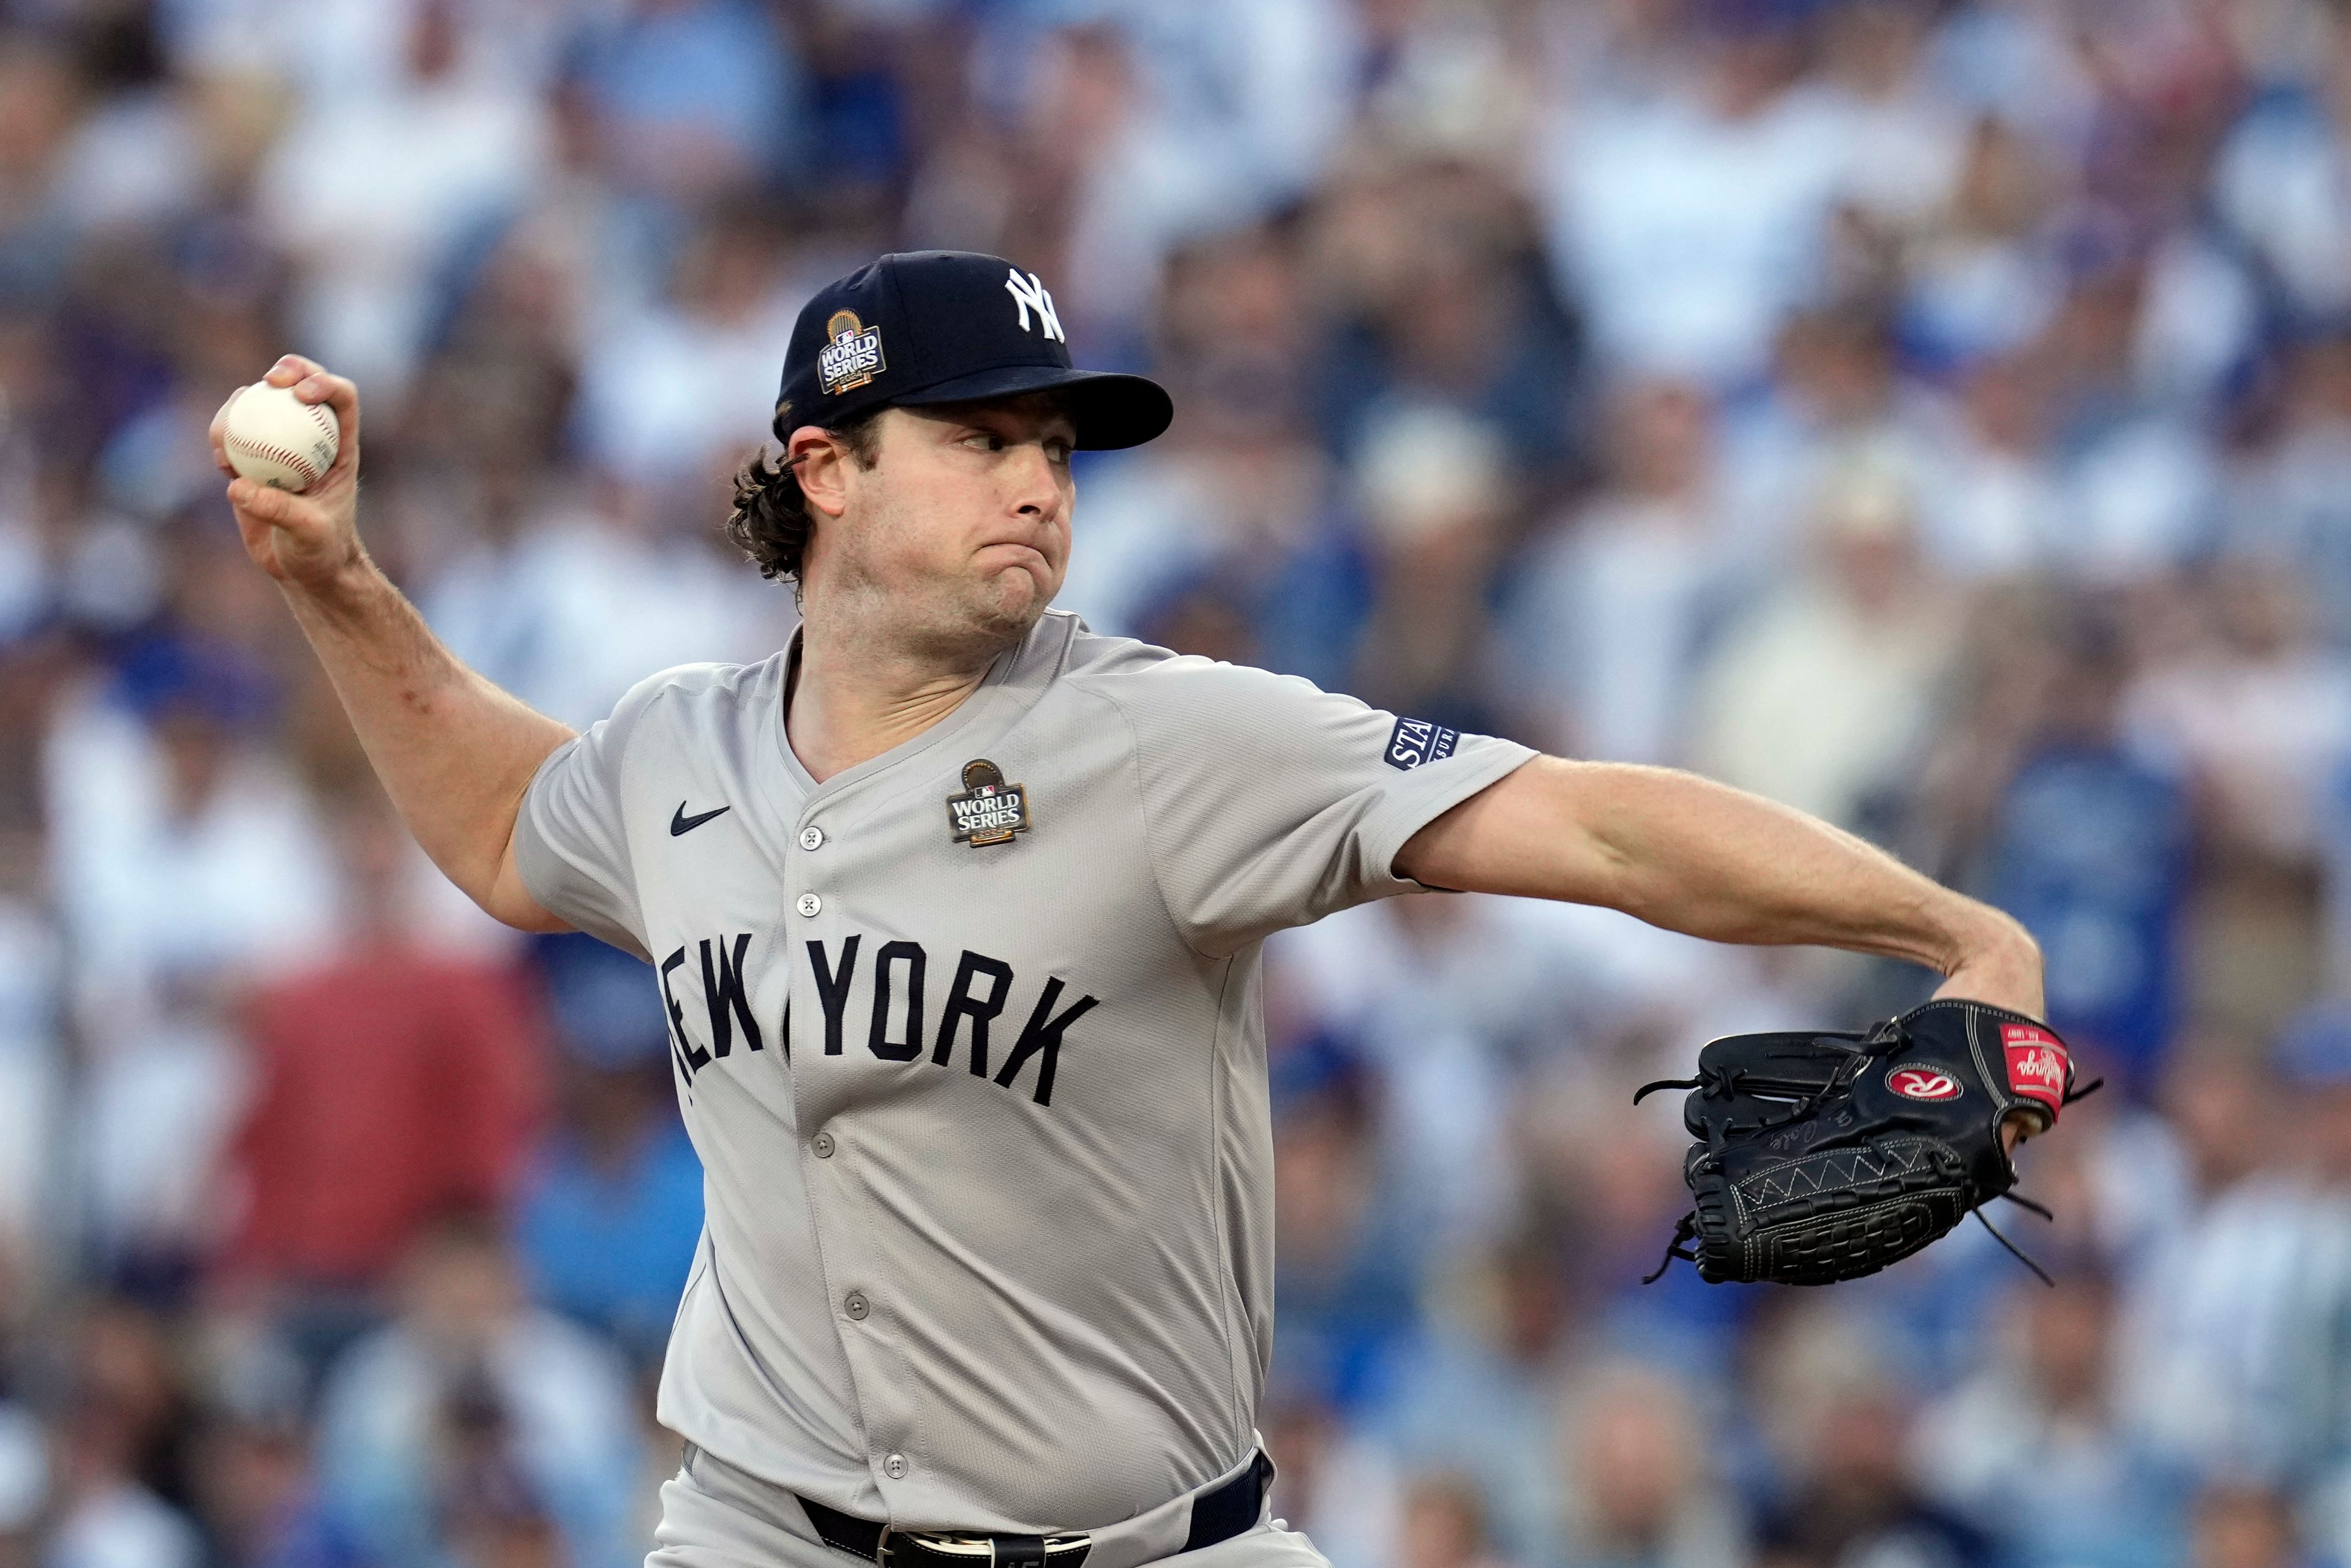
1993	940
1994	959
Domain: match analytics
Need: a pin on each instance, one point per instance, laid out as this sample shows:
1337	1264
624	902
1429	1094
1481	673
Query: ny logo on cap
1028	295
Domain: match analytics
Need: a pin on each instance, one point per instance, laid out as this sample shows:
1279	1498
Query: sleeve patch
1415	740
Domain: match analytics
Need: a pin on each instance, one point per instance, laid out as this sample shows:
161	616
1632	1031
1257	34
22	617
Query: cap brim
1110	410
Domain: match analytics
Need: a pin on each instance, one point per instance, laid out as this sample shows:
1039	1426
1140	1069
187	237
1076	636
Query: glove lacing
2067	1098
1727	1082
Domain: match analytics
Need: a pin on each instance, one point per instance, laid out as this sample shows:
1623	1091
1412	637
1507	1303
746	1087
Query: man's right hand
310	540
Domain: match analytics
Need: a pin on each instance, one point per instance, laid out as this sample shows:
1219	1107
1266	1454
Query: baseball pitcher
955	909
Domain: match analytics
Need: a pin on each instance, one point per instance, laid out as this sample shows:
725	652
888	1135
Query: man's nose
1036	485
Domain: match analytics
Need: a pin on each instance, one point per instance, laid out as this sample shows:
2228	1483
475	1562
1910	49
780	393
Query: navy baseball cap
950	326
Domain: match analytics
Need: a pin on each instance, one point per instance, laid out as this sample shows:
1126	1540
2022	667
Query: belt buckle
978	1550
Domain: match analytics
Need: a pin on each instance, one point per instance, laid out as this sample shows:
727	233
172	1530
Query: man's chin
1015	598
1006	608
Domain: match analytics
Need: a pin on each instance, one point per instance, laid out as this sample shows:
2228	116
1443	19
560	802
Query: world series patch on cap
852	355
924	327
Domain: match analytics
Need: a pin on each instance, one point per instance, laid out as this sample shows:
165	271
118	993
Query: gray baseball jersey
970	1040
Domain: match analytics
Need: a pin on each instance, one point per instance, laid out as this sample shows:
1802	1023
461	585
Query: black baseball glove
1826	1156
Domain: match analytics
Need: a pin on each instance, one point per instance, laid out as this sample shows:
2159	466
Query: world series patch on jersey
990	810
985	1094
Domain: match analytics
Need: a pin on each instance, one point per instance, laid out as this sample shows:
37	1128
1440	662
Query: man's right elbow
505	897
524	915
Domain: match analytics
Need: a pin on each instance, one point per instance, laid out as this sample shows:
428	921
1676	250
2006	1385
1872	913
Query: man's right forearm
454	751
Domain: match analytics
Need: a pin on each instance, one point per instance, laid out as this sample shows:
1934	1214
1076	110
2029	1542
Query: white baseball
273	438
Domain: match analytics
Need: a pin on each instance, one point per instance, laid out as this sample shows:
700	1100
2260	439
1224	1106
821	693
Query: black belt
1217	1515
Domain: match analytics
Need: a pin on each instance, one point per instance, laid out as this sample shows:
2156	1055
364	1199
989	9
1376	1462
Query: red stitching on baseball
294	460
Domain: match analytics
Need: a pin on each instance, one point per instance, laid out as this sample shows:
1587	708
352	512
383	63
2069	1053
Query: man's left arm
1694	856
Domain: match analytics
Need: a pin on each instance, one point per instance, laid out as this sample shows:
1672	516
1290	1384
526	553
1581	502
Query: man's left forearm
1694	856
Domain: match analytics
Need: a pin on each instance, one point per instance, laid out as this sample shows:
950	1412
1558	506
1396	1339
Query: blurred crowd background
1933	413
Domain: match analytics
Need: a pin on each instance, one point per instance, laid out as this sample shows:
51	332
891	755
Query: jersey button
895	1467
856	1306
809	904
822	1145
811	838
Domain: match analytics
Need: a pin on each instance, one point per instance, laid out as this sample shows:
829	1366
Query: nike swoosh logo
681	823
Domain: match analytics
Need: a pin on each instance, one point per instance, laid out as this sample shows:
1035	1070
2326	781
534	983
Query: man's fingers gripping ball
262	503
271	436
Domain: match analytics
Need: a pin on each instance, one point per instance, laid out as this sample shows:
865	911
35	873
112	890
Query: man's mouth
1017	544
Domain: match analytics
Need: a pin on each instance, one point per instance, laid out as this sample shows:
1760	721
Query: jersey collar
1012	685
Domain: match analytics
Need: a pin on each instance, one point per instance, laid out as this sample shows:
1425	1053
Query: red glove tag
2036	1065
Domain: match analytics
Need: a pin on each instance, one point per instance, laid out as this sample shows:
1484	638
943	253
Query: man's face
961	526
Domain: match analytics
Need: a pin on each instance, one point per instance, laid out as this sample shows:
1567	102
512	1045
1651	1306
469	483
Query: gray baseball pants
716	1522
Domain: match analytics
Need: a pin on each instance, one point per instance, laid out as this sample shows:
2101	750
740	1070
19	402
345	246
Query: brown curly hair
771	521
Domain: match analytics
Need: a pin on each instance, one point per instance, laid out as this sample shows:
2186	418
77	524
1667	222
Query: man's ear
820	462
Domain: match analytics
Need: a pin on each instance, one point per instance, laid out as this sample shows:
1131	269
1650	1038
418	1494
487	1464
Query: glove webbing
1723	1083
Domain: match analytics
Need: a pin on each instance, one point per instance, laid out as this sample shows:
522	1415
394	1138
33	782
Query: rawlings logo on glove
1826	1156
1924	1083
